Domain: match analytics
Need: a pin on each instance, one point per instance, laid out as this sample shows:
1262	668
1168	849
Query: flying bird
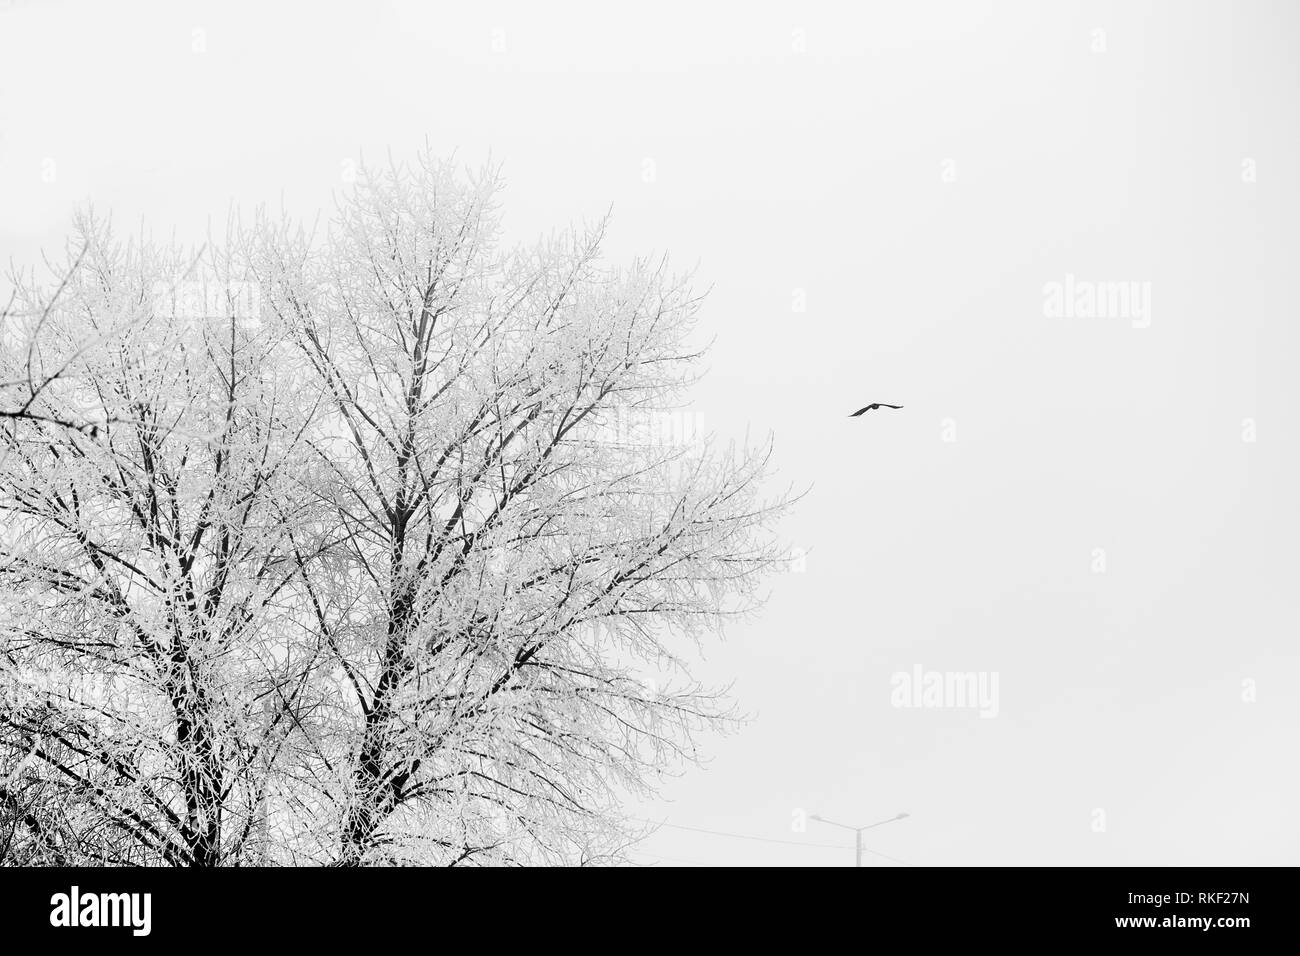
873	405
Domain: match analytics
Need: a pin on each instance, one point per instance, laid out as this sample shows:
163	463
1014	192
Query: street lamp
857	831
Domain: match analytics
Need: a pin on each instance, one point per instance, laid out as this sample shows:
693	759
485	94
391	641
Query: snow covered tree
142	562
381	555
26	369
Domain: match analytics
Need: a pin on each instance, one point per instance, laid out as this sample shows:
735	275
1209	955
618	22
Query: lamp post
857	831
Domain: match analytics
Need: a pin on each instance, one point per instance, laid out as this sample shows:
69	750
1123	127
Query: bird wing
873	405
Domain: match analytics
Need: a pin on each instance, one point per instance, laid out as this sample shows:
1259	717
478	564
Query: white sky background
823	170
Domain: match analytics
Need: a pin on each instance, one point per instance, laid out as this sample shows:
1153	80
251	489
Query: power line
671	859
743	836
759	839
892	859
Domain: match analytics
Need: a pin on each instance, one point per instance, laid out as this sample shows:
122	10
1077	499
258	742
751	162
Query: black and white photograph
773	437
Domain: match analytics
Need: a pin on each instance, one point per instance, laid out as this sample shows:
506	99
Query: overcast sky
1095	506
